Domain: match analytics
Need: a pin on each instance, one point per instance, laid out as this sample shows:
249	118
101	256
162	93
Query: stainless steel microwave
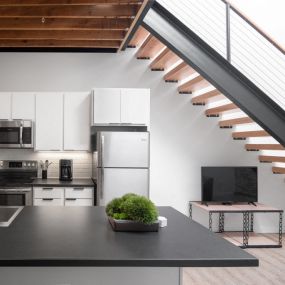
16	134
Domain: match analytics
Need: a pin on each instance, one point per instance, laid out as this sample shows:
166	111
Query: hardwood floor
271	271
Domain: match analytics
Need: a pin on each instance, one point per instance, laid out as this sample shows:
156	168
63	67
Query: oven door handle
21	134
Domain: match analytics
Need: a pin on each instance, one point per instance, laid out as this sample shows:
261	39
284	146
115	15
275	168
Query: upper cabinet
121	106
106	106
77	121
49	121
135	106
23	106
17	106
5	106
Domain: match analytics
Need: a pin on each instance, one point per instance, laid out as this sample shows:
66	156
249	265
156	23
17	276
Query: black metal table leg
251	221
280	228
245	228
221	222
190	210
210	221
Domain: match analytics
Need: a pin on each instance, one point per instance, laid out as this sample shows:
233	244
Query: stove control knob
1	163
28	164
24	164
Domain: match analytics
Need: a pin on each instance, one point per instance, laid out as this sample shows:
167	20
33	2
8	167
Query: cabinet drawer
79	192
48	202
48	192
78	202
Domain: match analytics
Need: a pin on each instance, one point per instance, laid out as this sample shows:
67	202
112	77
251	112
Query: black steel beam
217	70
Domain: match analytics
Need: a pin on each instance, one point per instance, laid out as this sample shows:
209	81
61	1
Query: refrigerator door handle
102	165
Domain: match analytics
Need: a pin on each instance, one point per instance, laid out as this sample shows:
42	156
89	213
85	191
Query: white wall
182	138
268	15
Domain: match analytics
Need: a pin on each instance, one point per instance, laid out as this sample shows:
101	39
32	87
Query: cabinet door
135	106
5	106
78	202
48	202
48	192
49	121
23	106
79	192
77	121
106	106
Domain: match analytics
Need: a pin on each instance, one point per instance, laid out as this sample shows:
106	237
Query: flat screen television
229	184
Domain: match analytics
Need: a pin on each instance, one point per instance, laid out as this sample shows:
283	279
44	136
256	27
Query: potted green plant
132	212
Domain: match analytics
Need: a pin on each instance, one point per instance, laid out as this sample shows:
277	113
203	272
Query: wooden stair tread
150	48
165	60
247	134
264	147
202	97
178	73
220	109
271	158
139	37
235	121
187	86
278	170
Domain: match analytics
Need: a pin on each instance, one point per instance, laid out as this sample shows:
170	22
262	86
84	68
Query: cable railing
227	31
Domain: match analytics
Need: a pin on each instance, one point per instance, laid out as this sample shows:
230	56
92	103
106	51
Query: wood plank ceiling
98	25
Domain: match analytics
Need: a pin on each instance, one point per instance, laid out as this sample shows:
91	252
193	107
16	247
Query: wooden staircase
191	83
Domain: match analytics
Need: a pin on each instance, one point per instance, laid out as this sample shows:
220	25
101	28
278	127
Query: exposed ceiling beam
69	11
62	35
66	2
65	23
59	43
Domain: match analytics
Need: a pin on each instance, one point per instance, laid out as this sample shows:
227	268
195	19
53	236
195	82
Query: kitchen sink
8	214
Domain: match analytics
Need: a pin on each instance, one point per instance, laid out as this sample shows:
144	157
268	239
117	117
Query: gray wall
182	138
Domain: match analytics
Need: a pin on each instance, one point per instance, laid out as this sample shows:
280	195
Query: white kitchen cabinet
77	121
78	202
106	106
60	196
49	121
5	106
48	192
23	106
121	106
79	192
48	202
135	106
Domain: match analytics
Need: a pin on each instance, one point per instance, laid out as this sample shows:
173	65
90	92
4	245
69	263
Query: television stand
247	210
227	203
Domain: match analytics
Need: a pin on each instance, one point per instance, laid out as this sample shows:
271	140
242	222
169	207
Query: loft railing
246	47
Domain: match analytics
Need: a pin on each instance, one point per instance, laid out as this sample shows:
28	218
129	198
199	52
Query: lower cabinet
48	202
59	196
78	202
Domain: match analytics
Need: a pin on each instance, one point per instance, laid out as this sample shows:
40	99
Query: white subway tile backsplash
82	161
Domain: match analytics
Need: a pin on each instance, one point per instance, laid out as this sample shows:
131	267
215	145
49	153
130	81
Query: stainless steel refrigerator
121	164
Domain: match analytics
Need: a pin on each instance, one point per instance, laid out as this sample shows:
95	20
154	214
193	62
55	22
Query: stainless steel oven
16	179
16	134
21	196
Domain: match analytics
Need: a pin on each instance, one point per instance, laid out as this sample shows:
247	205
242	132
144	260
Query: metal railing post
228	30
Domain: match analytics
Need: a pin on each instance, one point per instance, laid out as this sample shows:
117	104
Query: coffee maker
65	169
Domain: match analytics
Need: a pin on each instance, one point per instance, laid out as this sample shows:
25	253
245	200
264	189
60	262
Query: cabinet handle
47	188
78	189
70	199
47	199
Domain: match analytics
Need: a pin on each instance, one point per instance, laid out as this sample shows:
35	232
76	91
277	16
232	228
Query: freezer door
123	149
115	182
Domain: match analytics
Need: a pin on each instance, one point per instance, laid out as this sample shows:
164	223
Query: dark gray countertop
82	236
57	183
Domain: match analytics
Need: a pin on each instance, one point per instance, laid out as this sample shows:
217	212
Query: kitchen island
76	245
